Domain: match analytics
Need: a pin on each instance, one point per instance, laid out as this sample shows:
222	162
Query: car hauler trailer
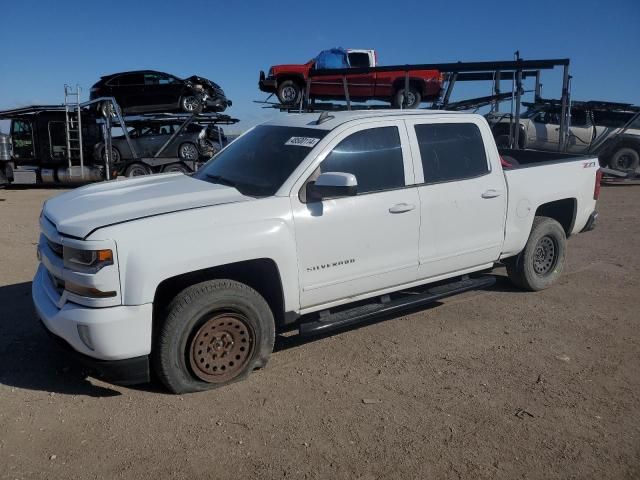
55	144
516	71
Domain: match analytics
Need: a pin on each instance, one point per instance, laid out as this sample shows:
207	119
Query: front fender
154	249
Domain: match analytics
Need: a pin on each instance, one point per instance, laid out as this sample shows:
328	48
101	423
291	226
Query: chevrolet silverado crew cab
309	222
288	82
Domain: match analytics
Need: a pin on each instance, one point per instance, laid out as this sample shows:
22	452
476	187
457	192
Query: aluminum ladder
73	130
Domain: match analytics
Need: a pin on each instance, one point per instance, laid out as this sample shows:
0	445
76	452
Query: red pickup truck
288	81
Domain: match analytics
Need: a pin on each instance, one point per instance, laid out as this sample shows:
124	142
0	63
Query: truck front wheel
214	333
289	92
541	262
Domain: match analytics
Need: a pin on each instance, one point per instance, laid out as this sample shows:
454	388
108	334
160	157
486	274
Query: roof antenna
324	117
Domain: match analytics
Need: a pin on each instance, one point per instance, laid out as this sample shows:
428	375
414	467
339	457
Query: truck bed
533	158
568	180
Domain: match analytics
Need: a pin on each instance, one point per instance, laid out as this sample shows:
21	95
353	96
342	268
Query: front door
365	243
463	200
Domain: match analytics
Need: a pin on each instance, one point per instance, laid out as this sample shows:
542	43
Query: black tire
415	98
542	260
137	170
289	92
191	104
175	167
199	308
625	158
116	157
188	151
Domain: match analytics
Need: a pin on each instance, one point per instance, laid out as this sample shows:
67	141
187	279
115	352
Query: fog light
84	334
87	291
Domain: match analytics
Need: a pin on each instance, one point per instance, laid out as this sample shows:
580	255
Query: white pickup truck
314	222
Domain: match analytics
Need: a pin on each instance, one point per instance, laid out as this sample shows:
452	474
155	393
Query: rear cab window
451	151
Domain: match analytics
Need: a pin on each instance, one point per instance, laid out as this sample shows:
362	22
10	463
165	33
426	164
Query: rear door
580	131
365	243
161	89
463	198
128	90
544	131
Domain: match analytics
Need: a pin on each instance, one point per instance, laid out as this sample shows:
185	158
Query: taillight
596	187
504	163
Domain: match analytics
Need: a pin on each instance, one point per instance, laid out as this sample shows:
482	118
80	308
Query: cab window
128	79
374	156
451	151
548	117
358	59
22	139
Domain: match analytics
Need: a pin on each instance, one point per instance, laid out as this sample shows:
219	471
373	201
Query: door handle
491	193
402	208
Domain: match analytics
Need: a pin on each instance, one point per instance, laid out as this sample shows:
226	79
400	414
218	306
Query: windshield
258	163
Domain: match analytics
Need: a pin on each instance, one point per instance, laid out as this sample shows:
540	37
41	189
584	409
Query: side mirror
332	185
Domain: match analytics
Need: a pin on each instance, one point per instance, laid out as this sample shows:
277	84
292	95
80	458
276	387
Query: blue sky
47	44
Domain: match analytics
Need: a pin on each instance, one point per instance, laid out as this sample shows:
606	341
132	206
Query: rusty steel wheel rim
221	348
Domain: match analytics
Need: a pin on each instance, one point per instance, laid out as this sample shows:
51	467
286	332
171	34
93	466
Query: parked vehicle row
596	127
305	221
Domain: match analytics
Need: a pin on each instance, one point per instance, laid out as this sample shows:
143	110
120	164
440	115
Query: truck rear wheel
542	260
214	333
413	98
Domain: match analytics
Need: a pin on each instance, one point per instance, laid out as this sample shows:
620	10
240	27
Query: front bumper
267	84
130	371
217	104
109	333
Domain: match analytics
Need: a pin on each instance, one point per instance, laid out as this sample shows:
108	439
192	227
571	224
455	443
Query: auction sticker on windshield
302	141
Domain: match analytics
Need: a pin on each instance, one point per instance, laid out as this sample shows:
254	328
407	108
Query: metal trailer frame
121	122
115	118
516	70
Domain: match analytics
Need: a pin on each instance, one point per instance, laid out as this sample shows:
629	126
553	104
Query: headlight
87	261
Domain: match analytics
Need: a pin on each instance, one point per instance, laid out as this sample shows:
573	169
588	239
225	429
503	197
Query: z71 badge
588	164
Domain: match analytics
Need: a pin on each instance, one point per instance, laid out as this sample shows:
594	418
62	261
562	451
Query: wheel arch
420	83
261	274
296	77
563	211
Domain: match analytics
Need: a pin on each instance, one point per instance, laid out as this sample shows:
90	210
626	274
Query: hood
85	209
203	81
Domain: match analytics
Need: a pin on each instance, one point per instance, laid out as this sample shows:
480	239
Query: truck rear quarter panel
531	187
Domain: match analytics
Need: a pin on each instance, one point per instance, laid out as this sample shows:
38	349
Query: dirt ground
492	384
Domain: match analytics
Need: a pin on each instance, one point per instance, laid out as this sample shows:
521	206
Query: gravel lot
492	384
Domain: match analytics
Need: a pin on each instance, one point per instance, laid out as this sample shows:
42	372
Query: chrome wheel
289	94
190	104
409	99
221	348
189	151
